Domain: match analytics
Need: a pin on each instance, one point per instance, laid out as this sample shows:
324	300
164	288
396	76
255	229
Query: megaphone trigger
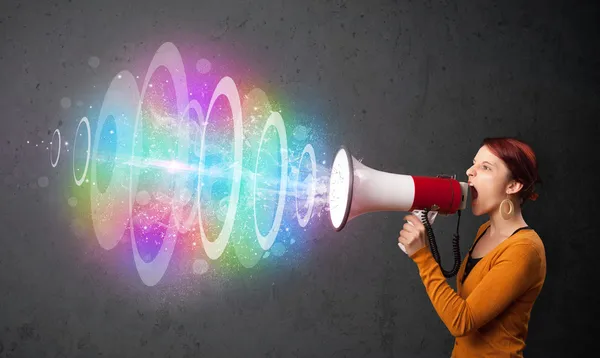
431	215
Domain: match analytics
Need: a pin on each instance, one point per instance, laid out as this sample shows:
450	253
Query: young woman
505	269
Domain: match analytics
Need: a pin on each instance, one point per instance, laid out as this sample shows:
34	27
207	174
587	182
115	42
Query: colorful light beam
171	169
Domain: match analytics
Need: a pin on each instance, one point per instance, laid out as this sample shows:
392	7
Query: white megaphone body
355	189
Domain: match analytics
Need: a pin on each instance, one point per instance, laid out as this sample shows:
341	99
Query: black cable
434	249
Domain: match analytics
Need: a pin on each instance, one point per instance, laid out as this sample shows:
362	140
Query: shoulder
526	245
530	240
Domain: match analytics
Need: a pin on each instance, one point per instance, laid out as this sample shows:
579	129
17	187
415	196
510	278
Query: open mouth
473	192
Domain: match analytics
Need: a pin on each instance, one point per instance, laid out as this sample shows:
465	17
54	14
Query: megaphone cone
356	189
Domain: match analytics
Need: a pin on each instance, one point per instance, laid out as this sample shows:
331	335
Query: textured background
411	87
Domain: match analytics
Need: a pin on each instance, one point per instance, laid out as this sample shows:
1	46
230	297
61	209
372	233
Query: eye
485	167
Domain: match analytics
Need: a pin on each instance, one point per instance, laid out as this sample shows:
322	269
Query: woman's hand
413	237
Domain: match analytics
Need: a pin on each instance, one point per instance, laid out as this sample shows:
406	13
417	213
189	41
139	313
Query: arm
511	276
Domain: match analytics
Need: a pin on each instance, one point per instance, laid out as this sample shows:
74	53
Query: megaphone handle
402	247
419	213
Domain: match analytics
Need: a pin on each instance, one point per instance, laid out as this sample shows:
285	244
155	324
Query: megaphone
355	189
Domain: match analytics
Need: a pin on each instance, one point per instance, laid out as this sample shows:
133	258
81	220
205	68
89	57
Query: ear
513	187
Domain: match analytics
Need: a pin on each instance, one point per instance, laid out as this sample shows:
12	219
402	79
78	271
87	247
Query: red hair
521	161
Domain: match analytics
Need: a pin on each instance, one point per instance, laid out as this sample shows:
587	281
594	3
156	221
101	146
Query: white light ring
87	160
308	149
109	220
276	121
227	88
54	163
168	56
255	106
184	146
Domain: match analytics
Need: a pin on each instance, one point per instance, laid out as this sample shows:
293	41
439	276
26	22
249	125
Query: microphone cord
434	249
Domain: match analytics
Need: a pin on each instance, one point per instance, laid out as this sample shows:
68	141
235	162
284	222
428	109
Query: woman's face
489	178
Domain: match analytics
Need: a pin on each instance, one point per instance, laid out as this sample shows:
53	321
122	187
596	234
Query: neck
503	227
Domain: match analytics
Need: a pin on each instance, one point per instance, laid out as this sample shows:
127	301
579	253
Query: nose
469	172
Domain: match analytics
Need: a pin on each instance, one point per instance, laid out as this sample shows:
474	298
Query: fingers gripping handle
421	215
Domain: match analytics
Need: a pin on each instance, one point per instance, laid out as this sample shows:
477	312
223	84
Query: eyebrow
485	161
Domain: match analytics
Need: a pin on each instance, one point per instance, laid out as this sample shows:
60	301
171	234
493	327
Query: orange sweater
489	315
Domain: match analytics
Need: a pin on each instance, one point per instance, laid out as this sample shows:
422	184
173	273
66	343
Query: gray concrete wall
410	87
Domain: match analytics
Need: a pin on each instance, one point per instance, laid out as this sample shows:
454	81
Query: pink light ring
87	159
184	224
308	149
168	56
109	213
276	121
226	87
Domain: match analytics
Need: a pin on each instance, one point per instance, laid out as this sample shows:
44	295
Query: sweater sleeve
512	274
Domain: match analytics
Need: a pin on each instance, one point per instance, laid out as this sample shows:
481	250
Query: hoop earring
507	215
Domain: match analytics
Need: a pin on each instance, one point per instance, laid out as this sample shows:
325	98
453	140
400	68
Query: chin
476	209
